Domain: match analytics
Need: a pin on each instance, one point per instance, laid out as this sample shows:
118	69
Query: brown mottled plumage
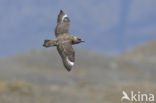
64	41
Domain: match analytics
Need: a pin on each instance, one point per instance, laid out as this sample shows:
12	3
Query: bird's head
80	40
77	40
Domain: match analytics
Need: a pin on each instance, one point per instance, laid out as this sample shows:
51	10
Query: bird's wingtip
68	70
61	11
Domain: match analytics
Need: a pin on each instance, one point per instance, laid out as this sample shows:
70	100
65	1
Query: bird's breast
64	39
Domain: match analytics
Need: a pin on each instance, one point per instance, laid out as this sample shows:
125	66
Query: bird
64	41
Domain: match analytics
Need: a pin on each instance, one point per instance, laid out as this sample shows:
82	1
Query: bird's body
64	41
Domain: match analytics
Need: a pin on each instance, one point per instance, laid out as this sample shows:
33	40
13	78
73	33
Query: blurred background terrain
119	53
38	76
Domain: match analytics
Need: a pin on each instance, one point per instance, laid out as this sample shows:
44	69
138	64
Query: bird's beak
83	41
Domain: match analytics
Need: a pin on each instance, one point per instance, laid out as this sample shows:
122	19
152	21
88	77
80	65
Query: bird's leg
49	43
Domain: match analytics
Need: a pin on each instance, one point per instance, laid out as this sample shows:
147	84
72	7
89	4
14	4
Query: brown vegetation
39	77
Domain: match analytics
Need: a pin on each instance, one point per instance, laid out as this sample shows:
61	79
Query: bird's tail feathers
49	43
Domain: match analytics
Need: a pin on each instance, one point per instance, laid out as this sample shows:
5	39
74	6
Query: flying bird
64	41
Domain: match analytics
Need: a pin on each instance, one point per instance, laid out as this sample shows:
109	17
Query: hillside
145	53
38	76
45	67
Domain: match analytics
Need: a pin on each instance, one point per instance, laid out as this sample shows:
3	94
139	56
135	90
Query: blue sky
107	26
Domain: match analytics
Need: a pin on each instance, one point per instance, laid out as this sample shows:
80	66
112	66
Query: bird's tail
49	43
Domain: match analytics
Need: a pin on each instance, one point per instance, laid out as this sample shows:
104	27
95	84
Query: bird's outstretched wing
67	54
63	24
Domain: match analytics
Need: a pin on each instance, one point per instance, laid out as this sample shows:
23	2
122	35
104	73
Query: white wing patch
69	62
64	17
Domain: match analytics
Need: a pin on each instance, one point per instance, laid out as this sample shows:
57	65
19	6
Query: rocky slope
39	76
